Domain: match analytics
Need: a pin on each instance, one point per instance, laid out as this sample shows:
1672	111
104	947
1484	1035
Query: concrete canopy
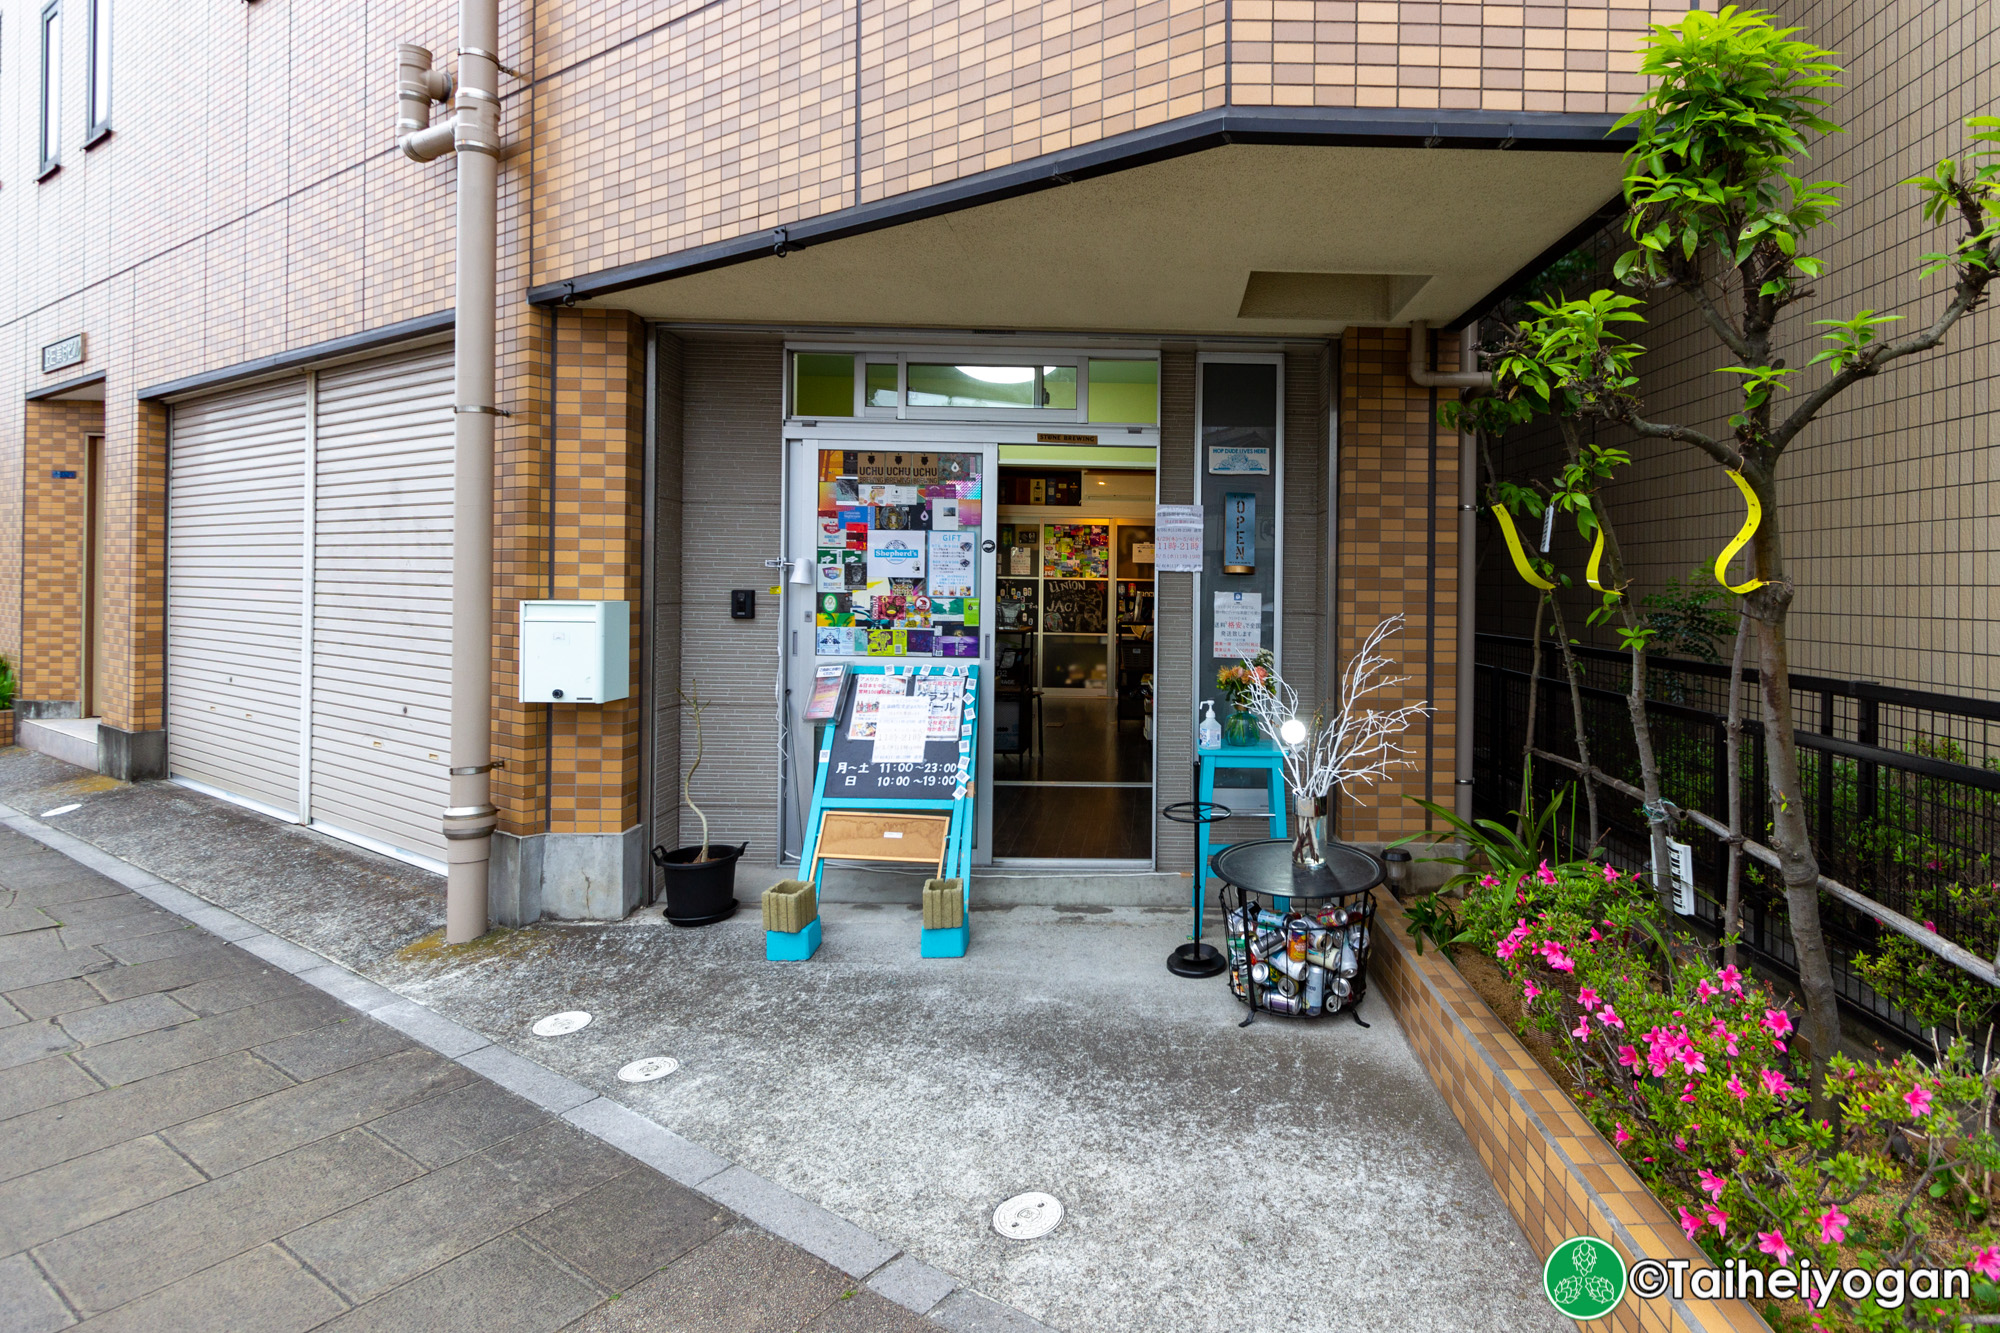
1241	240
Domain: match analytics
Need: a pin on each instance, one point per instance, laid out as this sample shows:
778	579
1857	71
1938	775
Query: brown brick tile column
53	526
1392	497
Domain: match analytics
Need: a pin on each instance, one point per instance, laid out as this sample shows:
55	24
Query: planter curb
1554	1171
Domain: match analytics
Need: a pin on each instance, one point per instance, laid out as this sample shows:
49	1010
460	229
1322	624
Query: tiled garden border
1557	1175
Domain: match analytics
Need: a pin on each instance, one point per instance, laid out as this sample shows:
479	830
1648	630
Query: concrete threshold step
996	887
70	739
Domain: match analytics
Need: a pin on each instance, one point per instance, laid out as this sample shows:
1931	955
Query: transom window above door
1111	390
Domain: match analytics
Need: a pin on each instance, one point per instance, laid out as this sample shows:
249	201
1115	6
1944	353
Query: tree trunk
1528	743
1732	902
1576	710
1791	838
1649	779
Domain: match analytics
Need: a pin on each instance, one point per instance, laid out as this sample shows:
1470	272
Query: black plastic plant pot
699	893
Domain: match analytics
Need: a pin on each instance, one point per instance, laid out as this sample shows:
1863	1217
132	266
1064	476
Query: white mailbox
575	652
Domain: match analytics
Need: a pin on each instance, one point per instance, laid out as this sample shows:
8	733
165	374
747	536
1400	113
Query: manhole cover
1026	1216
648	1069
561	1025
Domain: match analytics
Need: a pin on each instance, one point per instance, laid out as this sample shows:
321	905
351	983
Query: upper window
100	71
1118	391
51	117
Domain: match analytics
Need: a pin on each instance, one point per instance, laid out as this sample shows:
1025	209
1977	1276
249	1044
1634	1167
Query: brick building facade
687	194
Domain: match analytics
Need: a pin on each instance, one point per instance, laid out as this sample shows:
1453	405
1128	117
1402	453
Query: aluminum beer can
1288	987
1269	944
1348	966
1285	965
1295	940
1315	989
1342	987
1269	920
1260	974
1281	1004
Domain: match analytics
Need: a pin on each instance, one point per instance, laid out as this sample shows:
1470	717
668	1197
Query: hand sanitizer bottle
1209	735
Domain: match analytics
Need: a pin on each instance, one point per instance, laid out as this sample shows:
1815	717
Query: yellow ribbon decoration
1514	548
1596	554
1742	538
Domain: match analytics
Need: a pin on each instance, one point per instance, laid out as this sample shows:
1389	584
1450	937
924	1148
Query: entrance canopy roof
1262	239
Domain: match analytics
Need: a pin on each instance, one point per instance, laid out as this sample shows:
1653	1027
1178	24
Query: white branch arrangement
1358	744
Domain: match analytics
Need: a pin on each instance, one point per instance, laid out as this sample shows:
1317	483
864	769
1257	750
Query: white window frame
1077	417
98	110
48	38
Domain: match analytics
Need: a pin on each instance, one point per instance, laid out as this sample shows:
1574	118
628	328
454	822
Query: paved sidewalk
193	1138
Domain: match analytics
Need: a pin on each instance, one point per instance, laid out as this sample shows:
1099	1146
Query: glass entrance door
897	546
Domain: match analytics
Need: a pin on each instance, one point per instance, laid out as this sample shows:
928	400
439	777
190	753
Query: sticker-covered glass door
899	545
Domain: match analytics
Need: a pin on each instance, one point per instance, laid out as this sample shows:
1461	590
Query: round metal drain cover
648	1069
1026	1216
561	1025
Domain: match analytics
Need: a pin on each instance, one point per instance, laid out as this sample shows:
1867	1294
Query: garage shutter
381	706
377	516
236	533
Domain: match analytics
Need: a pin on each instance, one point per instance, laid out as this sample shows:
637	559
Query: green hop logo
1585	1278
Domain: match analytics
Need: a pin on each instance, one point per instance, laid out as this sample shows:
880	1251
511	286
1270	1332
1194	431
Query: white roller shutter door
236	534
381	689
358	746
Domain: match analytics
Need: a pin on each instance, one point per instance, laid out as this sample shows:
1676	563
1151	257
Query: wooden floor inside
1073	823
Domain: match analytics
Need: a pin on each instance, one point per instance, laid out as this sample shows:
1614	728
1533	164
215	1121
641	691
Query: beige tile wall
1890	496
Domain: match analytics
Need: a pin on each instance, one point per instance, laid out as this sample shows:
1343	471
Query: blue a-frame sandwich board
843	790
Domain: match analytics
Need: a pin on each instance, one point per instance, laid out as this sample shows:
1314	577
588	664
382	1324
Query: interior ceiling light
1000	374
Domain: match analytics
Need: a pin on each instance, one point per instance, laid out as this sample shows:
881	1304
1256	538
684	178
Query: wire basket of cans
1298	957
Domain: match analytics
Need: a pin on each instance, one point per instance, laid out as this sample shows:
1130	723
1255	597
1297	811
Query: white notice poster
900	724
1177	539
1239	624
895	555
952	564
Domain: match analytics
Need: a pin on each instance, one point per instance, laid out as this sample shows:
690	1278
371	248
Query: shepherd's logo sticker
1585	1278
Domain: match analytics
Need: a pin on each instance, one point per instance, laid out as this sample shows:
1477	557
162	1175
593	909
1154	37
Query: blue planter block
788	947
949	943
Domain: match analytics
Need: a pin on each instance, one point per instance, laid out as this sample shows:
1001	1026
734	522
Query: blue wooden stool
1265	755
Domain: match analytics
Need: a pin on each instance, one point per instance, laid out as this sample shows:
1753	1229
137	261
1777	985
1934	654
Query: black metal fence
1903	792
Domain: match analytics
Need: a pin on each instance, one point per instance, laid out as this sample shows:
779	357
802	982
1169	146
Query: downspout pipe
1470	383
473	133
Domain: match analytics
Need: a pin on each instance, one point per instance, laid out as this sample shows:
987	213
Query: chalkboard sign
849	754
1075	606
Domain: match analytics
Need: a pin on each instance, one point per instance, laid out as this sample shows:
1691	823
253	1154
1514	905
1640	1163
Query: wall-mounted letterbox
575	652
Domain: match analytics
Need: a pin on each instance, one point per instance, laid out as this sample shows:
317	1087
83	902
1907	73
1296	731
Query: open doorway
1073	665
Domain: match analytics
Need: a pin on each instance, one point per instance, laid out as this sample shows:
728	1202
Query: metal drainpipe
1471	383
474	134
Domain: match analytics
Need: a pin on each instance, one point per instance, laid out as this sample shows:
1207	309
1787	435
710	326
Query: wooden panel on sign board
882	835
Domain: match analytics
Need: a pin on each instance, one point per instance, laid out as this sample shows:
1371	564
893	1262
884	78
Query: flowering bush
1688	1069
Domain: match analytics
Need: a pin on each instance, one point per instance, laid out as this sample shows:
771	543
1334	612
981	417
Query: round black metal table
1332	906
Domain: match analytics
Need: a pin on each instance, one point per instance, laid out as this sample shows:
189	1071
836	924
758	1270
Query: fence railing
1902	788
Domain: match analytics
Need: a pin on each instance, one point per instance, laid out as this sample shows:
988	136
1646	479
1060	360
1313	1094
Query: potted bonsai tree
700	881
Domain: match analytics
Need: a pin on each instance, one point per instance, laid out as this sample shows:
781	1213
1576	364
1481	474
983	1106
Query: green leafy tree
1717	214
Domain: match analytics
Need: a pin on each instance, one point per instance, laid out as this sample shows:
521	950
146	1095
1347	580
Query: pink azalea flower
1986	1263
1618	1134
1690	1223
1773	1244
1919	1099
1705	992
1693	1060
1629	1057
1559	963
1547	875
1775	1084
1735	1086
1593	937
1609	1017
1582	1028
1713	1184
1488	882
1680	1144
1610	874
1833	1228
1778	1021
1731	980
1529	990
1587	997
1717	1219
1687	1092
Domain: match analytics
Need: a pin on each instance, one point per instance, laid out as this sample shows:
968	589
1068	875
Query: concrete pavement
192	1138
869	1105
